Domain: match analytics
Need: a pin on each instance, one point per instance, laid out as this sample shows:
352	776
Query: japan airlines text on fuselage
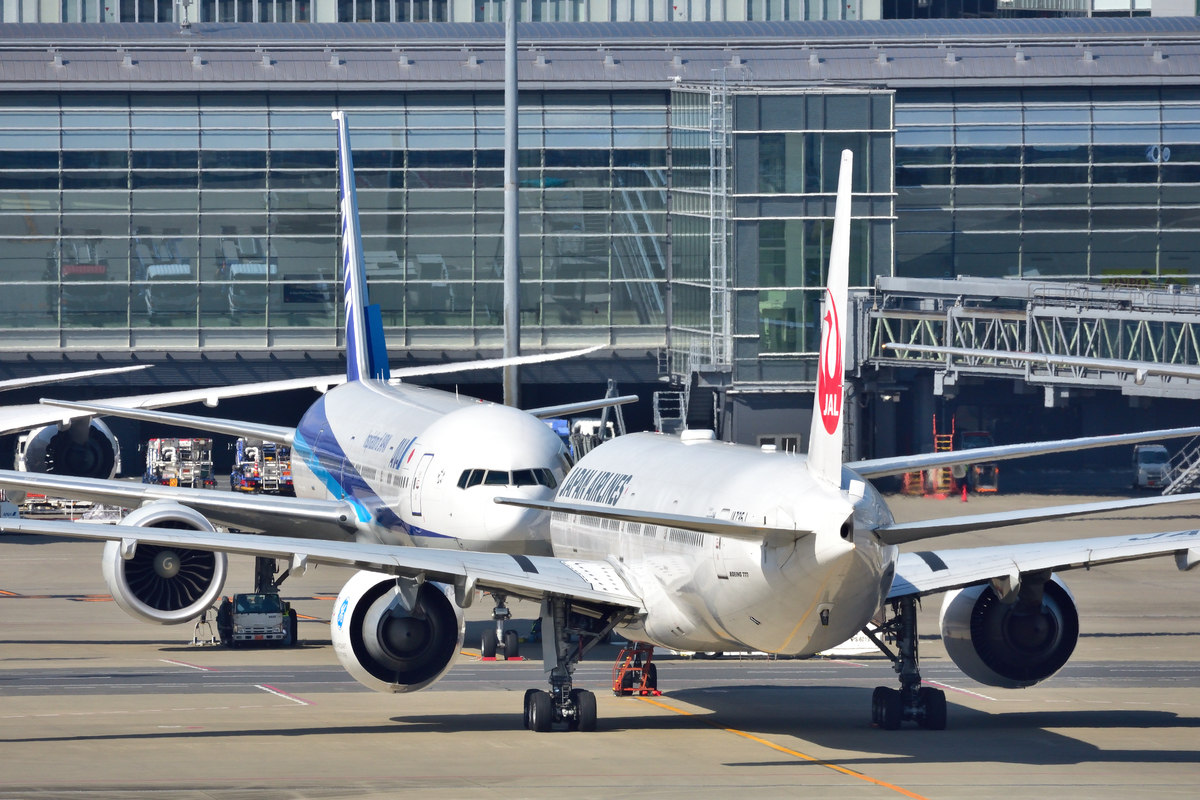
421	466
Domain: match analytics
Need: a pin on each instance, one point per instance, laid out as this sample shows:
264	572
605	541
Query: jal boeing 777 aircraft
682	542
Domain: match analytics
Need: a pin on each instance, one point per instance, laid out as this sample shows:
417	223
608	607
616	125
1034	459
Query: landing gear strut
922	704
565	703
500	639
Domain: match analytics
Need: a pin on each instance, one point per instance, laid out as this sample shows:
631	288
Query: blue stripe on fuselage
335	470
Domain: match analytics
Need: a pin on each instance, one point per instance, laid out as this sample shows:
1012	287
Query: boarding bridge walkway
1159	324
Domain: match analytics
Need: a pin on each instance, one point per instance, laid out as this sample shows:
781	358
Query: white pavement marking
185	664
956	689
283	694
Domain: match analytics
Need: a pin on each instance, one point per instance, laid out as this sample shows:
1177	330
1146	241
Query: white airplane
693	544
373	460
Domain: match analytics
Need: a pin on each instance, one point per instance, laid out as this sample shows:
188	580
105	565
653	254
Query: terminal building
168	195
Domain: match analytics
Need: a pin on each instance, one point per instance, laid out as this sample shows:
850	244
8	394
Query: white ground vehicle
1151	466
256	618
180	462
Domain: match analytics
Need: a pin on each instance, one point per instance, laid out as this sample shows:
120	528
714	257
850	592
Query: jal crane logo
829	371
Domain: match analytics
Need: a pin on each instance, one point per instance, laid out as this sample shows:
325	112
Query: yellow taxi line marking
789	751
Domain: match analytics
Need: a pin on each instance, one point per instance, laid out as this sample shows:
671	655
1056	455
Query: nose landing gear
500	640
564	702
924	705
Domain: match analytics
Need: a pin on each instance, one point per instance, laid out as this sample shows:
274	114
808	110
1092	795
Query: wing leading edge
294	516
898	465
932	571
530	577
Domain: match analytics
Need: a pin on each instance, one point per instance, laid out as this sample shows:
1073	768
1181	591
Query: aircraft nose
514	521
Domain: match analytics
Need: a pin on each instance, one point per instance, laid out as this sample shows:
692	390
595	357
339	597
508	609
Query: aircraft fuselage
788	594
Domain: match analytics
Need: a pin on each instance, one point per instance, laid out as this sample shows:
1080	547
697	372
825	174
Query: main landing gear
564	703
922	704
506	641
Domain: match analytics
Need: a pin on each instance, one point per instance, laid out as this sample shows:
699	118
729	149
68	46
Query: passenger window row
539	476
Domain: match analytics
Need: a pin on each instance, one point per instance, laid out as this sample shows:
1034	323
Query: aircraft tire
487	647
585	703
294	625
934	703
541	711
512	645
891	711
877	704
651	681
528	694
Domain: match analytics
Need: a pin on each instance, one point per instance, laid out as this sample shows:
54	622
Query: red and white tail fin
825	439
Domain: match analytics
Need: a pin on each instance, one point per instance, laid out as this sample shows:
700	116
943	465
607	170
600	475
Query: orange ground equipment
634	673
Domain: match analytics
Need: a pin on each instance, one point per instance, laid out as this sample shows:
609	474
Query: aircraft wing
233	427
898	465
288	516
566	409
525	576
901	532
932	571
62	377
720	527
24	417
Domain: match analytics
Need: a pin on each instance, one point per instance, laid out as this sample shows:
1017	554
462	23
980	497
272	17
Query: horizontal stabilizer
1139	369
898	465
490	363
719	527
232	427
902	532
550	412
62	377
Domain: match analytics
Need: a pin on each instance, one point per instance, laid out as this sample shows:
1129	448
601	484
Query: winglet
366	351
825	439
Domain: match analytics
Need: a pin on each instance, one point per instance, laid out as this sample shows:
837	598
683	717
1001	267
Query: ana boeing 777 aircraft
686	543
373	459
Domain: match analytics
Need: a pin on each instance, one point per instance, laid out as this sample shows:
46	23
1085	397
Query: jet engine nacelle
84	450
164	585
1010	645
395	635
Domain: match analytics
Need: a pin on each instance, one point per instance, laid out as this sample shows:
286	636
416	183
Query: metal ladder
1185	468
670	411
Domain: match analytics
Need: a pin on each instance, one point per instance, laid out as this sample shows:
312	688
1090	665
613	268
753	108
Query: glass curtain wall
211	220
784	165
1097	184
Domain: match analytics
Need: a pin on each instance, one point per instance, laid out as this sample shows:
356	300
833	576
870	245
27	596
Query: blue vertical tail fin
366	350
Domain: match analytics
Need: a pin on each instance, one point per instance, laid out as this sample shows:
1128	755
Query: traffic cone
964	494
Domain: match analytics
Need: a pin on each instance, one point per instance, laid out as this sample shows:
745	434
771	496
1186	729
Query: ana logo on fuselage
376	441
829	371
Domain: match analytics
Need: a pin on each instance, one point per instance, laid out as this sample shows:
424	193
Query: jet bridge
1159	324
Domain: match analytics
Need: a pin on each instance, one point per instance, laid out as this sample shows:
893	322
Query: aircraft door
719	556
418	482
720	545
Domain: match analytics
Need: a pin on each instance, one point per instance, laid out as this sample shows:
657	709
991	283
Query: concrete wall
1173	8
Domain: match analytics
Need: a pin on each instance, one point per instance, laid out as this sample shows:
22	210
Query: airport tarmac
94	704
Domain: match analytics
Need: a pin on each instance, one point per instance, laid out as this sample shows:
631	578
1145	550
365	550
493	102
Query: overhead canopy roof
416	56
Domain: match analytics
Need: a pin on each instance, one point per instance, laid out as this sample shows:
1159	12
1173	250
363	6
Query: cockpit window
546	478
538	476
